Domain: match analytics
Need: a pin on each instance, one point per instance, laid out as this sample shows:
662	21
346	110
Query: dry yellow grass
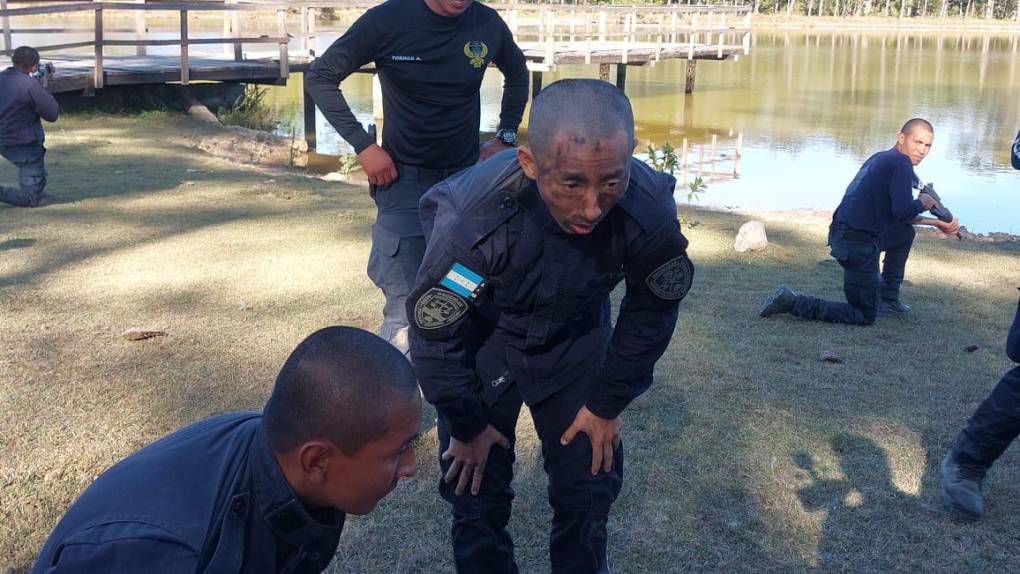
748	454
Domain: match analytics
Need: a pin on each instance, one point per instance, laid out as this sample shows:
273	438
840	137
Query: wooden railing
575	23
185	8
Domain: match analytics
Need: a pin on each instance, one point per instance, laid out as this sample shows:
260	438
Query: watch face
508	137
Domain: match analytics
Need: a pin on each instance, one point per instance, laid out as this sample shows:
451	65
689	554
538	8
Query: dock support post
309	113
8	49
97	78
281	30
621	76
140	30
185	65
604	72
235	31
536	83
692	66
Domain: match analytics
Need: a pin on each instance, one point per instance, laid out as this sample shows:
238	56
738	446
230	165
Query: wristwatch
507	137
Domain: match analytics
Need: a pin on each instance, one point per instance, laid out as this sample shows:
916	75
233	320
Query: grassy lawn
748	454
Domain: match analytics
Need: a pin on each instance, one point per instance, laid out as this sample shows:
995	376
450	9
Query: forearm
512	65
449	385
328	98
347	55
515	99
630	358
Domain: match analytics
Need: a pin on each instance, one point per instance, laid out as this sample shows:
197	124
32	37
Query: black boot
960	485
889	307
782	301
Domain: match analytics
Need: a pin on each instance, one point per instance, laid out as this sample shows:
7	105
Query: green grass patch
748	453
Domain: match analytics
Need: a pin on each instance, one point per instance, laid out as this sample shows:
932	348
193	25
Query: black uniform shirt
505	296
431	69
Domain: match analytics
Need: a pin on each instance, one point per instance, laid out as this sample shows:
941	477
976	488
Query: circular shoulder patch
673	279
438	308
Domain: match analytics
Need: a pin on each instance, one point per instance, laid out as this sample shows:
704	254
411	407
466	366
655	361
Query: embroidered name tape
463	281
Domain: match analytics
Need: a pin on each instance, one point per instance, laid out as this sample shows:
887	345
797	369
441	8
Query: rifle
940	211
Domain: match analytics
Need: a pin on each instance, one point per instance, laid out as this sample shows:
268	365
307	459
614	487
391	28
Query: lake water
809	109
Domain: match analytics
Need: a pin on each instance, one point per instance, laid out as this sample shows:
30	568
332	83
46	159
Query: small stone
971	348
142	333
751	237
830	357
334	176
245	307
187	183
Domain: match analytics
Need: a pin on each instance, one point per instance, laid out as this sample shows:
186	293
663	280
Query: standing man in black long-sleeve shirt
431	56
24	99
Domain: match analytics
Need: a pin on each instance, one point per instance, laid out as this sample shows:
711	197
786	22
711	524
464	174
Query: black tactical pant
994	425
857	252
580	501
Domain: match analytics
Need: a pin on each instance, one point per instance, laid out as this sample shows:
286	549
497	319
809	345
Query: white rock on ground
751	237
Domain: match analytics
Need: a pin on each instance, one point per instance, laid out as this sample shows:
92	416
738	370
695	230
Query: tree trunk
821	7
886	8
990	10
945	10
789	8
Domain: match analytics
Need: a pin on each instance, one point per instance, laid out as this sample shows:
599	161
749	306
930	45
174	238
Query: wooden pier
549	35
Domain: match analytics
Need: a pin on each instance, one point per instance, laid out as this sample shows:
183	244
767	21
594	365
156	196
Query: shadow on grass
12	244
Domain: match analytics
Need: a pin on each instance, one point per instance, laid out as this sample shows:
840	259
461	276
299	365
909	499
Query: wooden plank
194	41
8	48
194	6
68	46
61	9
97	78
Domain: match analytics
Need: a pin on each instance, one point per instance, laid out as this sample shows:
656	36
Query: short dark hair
589	108
340	384
915	123
25	57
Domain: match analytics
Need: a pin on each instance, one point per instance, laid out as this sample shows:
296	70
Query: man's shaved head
588	110
341	384
916	124
25	58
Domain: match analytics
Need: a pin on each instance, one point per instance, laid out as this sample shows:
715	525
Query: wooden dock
589	35
549	35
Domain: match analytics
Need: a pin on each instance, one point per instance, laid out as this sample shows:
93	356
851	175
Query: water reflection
810	107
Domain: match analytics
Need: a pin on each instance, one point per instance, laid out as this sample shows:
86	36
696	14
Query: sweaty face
580	178
449	8
356	483
916	145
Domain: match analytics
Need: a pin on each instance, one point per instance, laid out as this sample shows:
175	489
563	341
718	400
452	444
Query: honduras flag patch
463	281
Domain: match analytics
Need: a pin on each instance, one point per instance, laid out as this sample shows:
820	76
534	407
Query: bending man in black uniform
512	306
251	492
878	213
994	425
430	56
